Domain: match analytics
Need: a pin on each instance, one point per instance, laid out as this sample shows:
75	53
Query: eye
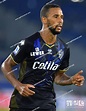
56	16
62	16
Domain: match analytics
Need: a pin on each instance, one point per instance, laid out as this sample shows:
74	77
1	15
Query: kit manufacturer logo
37	52
49	51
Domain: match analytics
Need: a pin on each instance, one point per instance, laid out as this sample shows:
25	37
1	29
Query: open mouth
59	27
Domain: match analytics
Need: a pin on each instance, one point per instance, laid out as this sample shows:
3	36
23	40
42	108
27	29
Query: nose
60	20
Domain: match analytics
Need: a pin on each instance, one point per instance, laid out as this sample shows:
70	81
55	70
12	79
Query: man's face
55	20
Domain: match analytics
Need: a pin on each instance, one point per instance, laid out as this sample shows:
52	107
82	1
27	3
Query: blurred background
12	30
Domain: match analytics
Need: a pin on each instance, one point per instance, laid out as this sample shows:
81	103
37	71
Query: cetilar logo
37	52
46	66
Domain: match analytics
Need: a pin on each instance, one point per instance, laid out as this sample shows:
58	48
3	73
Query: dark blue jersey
38	64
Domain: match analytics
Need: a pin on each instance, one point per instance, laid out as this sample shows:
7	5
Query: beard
52	29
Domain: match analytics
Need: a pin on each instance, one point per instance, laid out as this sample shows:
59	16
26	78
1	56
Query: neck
47	36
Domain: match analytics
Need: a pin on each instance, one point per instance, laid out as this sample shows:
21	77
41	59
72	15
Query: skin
54	20
23	89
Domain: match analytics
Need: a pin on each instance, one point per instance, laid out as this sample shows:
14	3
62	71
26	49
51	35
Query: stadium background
12	31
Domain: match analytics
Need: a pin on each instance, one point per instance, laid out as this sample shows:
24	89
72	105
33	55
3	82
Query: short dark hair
45	9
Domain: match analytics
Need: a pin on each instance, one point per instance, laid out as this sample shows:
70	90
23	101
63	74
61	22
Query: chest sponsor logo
37	52
46	66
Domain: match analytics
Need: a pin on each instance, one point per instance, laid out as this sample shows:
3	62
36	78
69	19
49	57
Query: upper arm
20	52
17	56
8	63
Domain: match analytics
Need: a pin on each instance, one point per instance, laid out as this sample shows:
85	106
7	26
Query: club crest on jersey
60	53
37	52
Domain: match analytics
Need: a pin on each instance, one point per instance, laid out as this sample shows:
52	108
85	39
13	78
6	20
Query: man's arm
23	89
62	79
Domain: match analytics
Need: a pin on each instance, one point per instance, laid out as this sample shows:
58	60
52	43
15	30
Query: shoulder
64	46
28	41
33	37
62	42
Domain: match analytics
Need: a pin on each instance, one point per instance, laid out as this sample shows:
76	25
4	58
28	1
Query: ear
44	20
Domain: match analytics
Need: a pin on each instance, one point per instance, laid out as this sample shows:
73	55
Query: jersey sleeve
65	62
20	52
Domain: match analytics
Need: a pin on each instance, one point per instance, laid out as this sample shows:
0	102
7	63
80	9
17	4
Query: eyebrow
58	15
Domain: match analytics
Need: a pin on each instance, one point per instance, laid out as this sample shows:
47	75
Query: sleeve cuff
13	59
64	70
